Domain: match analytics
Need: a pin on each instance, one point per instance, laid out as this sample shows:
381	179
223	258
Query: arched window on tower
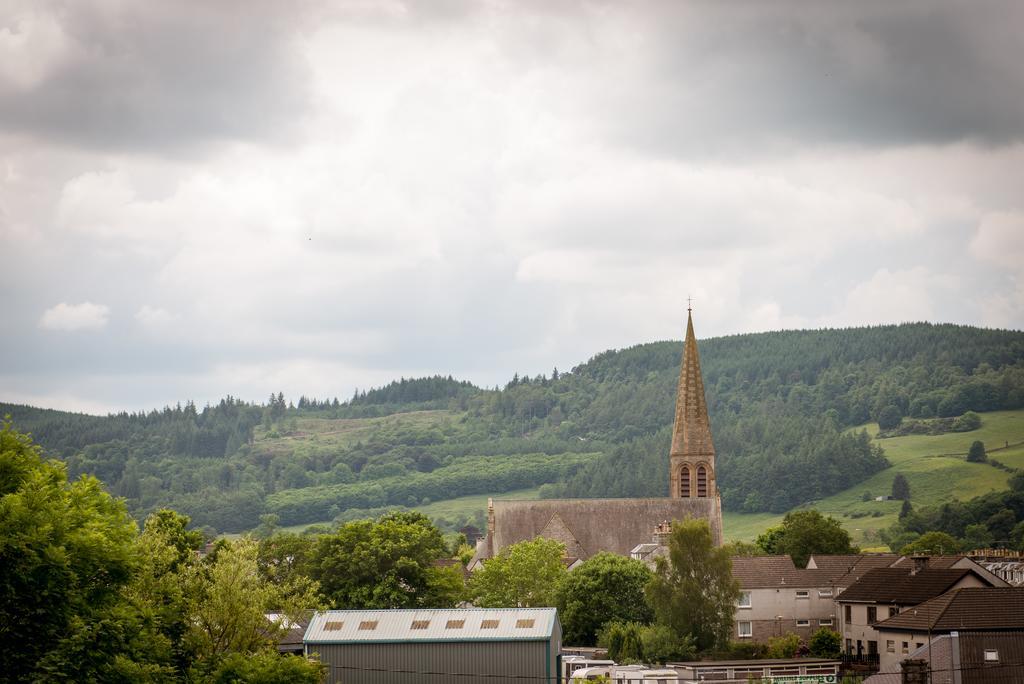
684	482
702	482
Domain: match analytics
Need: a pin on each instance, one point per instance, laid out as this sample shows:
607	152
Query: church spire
691	433
692	458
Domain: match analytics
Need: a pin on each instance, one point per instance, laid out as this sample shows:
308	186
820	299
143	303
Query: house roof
902	586
845	569
427	625
968	608
770	572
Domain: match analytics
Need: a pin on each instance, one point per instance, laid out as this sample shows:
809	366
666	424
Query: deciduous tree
527	574
693	591
808	532
604	588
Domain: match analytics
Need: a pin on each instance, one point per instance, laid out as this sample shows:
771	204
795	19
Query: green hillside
935	468
782	405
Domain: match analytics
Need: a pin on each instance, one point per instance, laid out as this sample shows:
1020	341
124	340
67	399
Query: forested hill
780	404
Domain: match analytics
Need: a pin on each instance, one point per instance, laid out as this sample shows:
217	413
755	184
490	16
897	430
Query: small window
904	647
824	593
826	622
846	614
849	646
489	624
368	625
744	599
890	646
524	624
420	624
991	655
802	594
803	623
333	625
918	644
872	615
744	629
455	624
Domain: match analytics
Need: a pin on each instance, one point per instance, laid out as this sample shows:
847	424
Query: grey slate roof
968	608
431	624
901	586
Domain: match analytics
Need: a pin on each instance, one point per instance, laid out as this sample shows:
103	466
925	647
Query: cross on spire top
689	304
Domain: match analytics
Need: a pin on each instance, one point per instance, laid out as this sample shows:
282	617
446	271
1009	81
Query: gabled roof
769	572
845	569
967	608
902	586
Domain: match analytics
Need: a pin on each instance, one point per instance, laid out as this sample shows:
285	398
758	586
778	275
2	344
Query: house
882	593
776	598
965	658
434	646
965	610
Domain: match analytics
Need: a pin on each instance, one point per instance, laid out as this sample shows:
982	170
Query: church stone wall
615	525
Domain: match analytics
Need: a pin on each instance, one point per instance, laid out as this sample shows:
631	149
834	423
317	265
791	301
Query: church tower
692	457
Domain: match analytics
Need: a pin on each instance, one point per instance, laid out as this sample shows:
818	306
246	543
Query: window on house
872	648
991	655
824	593
744	629
803	593
702	482
825	622
890	646
684	482
847	612
872	615
849	647
918	644
904	648
744	599
803	623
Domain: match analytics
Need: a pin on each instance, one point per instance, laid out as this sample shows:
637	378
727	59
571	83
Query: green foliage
387	563
604	588
267	667
932	543
900	487
229	600
967	422
825	643
805	533
889	417
693	592
527	575
785	646
633	642
976	454
742	548
66	554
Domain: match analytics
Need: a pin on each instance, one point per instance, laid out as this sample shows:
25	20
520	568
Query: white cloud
84	316
154	318
1000	240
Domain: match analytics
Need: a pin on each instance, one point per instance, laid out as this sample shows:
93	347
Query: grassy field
934	466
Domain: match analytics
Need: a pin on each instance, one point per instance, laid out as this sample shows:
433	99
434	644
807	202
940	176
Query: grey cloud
162	75
726	75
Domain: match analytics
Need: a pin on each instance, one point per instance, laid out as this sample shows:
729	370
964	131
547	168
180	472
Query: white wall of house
778	611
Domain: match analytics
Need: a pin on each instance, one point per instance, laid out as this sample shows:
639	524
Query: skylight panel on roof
368	625
489	624
524	624
333	625
420	624
455	624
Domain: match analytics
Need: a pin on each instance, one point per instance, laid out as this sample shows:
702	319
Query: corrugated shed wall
512	662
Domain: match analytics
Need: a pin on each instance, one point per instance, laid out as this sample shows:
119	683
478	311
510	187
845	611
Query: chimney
661	533
920	563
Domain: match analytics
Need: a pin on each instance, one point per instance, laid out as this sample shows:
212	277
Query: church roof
588	526
691	432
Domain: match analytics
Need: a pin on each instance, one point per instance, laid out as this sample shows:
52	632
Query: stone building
588	526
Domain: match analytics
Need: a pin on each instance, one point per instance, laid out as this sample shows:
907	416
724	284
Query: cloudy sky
203	198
